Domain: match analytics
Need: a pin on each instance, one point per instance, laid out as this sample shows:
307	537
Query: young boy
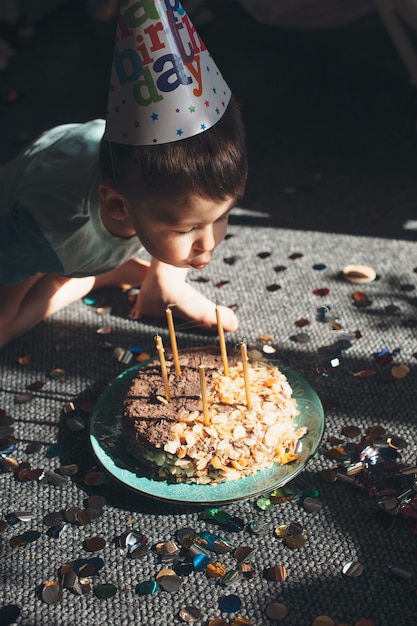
73	207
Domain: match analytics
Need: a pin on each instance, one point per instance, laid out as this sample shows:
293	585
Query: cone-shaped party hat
164	84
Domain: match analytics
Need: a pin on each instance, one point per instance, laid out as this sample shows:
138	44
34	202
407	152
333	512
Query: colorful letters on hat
164	84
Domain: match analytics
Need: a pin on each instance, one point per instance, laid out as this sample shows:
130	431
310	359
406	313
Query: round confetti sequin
281	531
312	505
231	577
201	562
57	374
169	580
148	587
29	536
323	620
215	569
258	527
276	611
24	516
301	338
276	572
398	443
96	502
296	542
190	614
400	371
68	470
105	591
243	553
53	519
93	479
230	604
353	569
23	398
52	592
351	431
94	544
9	614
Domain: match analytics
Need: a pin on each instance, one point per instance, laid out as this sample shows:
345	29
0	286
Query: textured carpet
348	527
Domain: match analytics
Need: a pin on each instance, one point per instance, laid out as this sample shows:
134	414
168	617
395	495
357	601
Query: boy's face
182	232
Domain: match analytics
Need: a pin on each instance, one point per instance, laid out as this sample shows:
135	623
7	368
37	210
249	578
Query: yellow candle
204	394
160	348
173	340
244	355
223	350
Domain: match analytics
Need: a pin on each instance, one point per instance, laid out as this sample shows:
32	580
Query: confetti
321	292
302	322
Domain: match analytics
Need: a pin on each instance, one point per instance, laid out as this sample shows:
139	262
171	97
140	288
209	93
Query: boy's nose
206	241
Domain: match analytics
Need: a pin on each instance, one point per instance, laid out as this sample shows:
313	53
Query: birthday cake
178	441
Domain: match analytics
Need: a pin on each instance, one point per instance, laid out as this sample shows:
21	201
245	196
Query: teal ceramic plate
105	439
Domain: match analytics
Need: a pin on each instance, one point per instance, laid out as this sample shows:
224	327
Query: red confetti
221	283
321	292
361	299
364	373
384	358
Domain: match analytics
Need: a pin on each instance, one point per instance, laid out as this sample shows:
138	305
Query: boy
74	204
173	197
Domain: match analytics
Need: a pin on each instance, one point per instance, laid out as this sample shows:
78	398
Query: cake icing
176	444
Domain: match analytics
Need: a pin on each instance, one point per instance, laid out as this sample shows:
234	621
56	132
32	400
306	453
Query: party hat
164	84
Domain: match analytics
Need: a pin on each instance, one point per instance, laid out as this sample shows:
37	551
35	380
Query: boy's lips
198	265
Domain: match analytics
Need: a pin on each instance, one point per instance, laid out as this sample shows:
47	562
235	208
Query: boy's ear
112	201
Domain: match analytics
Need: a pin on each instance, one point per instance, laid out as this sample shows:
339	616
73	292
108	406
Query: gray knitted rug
355	558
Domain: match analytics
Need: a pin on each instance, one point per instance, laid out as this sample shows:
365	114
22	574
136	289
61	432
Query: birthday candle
160	348
223	350
204	394
173	340
244	355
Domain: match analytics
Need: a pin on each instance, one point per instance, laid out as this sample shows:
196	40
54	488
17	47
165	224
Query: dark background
330	114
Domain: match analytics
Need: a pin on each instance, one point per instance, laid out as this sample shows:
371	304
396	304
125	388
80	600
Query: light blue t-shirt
49	209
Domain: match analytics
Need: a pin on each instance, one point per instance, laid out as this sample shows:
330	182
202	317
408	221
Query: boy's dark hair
212	164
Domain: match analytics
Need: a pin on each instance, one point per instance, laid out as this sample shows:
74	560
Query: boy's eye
185	232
